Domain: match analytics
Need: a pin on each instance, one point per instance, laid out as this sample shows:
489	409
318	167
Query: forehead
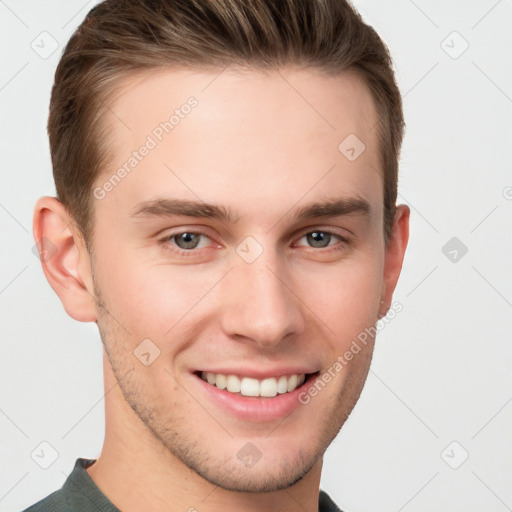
238	133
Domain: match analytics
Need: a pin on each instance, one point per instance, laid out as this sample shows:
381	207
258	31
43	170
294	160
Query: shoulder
325	503
55	502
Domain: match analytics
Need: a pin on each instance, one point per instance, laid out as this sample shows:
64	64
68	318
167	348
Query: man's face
260	294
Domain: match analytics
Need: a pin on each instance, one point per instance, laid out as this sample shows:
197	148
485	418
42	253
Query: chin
263	476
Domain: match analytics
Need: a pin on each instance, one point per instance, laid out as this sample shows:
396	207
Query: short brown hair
121	37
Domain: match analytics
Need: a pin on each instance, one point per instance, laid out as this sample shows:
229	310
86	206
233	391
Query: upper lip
260	373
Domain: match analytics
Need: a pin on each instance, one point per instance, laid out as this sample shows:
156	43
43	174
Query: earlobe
394	255
64	258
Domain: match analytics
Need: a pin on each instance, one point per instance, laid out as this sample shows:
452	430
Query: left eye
320	239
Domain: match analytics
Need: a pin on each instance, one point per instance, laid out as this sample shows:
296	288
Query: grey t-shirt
80	494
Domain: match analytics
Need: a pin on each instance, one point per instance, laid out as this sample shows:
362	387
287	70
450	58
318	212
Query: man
226	178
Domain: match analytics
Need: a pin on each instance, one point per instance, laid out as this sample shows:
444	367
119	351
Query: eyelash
192	252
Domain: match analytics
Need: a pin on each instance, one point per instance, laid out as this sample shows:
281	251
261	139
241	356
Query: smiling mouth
248	386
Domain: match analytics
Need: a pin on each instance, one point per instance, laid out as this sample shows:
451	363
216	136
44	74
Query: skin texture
252	145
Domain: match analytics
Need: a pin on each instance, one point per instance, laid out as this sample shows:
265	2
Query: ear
64	258
394	255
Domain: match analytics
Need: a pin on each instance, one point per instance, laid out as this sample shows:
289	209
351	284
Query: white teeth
268	387
282	384
249	386
221	381
292	382
233	384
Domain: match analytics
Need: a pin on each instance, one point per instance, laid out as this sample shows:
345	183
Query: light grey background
442	367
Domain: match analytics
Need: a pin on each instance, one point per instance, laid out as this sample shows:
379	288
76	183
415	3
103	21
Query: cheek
127	290
151	300
146	305
346	296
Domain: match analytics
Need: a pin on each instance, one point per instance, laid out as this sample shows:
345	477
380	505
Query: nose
260	303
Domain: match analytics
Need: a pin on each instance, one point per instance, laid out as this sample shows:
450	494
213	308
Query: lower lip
251	408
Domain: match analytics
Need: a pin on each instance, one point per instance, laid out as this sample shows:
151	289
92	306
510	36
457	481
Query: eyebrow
176	207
